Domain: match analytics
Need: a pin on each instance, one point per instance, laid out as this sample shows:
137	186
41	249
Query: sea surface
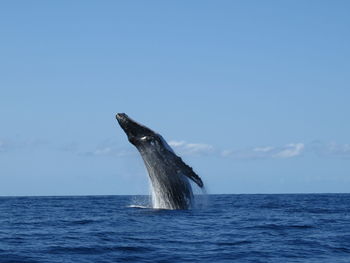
222	228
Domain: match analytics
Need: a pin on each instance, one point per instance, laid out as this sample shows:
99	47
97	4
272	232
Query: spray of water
158	197
200	197
161	199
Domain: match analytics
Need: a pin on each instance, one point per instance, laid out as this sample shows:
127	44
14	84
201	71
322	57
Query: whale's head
136	132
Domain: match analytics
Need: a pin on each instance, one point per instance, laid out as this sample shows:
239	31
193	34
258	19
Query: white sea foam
138	206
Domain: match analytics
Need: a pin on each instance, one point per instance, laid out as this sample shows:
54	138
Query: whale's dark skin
167	171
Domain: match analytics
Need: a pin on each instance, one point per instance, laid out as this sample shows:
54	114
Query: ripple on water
231	228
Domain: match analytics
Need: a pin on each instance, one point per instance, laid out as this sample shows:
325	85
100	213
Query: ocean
221	228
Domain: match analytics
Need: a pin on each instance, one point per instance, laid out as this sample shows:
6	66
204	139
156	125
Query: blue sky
253	94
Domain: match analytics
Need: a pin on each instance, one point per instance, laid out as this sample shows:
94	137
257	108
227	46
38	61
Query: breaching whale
167	171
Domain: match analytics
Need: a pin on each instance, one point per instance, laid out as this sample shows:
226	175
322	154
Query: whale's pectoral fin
188	171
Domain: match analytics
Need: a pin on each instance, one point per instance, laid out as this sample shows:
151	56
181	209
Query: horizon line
109	195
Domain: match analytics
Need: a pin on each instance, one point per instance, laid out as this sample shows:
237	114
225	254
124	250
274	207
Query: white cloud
340	149
226	153
181	147
290	150
246	154
334	149
199	148
329	149
176	143
106	148
109	151
191	148
265	152
263	149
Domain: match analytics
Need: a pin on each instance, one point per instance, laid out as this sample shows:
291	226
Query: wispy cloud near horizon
195	149
181	147
199	149
108	151
290	150
108	147
330	149
266	152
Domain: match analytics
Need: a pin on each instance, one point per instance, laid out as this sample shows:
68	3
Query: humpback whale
167	172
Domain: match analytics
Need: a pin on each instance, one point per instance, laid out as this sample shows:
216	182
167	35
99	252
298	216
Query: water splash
140	202
161	200
138	206
200	197
159	197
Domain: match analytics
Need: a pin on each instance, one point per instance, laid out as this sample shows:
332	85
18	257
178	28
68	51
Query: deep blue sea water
224	228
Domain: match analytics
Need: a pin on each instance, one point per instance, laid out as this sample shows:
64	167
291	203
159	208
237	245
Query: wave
139	206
